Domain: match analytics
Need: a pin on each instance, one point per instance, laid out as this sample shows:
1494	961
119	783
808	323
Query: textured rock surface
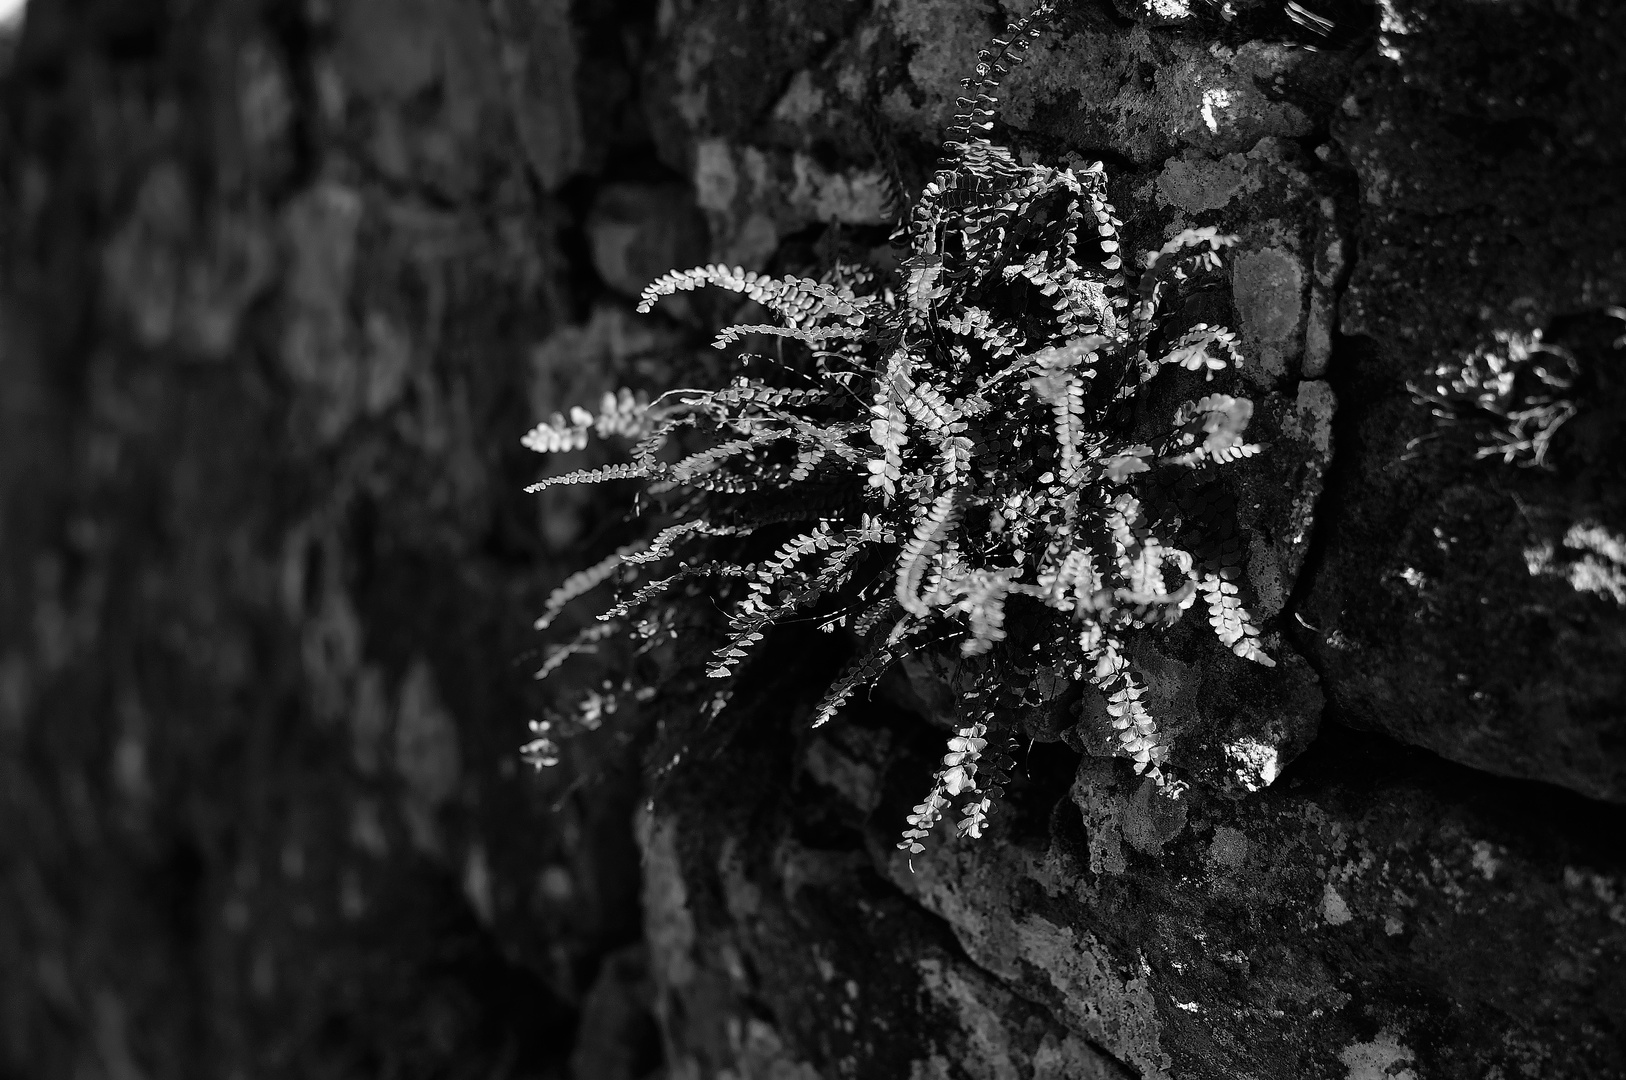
282	289
278	293
1368	910
1376	903
1485	205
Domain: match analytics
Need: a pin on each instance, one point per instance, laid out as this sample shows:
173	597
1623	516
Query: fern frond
1061	388
583	582
1230	620
956	459
696	465
622	413
1219	420
1204	348
927	406
558	434
792	551
984	607
1141	566
829	438
1138	736
864	623
957	774
1080	355
732	654
796	300
921	288
1126	463
922	819
933	523
661	547
975	117
1001	340
807	459
1069	582
585	640
1066	396
862	671
810	334
745	393
889	425
590	476
648	592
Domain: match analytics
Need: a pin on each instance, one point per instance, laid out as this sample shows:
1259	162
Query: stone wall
1434	887
284	284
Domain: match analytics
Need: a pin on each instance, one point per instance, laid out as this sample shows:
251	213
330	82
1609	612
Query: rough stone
885	994
426	753
753	198
539	62
617	1038
638	232
180	282
228	582
1288	934
1194	182
316	349
1103	88
259	703
1427	618
717	69
1268	290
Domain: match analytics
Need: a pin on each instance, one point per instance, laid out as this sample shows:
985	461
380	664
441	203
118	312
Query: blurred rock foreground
283	284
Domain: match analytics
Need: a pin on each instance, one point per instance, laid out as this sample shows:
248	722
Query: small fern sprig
957	775
623	413
799	301
1514	394
582	582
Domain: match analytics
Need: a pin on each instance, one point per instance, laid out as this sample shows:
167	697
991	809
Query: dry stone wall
1417	870
283	285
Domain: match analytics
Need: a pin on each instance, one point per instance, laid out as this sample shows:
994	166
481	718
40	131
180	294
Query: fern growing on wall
970	447
1513	395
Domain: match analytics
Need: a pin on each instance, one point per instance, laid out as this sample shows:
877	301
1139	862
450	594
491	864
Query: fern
796	300
984	608
811	335
591	476
1013	483
585	640
582	582
667	538
929	529
730	655
623	413
957	775
865	670
1514	395
1204	348
640	598
889	427
691	468
1137	730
